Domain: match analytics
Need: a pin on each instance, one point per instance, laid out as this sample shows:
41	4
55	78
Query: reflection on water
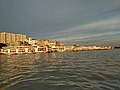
85	70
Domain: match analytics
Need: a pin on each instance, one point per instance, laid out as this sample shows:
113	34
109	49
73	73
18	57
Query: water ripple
85	70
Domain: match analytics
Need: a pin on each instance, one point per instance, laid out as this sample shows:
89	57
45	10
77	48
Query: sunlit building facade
2	37
11	38
49	43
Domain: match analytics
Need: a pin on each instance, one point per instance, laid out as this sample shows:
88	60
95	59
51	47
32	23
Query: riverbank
46	49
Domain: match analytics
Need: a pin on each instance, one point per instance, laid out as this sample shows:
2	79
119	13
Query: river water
84	70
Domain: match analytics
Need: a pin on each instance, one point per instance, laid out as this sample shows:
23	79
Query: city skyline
62	19
11	38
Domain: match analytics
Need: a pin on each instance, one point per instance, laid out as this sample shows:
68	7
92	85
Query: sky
62	19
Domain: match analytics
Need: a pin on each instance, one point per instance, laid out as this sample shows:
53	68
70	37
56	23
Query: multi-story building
18	37
8	38
49	43
11	38
23	38
2	37
34	42
43	42
29	40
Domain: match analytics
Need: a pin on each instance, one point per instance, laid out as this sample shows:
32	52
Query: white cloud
86	36
103	24
101	34
75	32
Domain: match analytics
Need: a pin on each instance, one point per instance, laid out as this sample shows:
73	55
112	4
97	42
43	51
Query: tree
2	45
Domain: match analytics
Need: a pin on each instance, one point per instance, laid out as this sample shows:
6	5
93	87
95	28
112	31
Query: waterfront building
34	42
8	38
29	40
57	48
43	42
49	43
19	37
3	37
11	38
69	48
59	43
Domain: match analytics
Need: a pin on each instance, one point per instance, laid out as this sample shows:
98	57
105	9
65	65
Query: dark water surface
85	70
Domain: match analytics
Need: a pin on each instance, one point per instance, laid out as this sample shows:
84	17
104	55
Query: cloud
86	36
99	35
56	19
98	26
103	24
94	29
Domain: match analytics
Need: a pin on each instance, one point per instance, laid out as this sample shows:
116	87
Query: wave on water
85	70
